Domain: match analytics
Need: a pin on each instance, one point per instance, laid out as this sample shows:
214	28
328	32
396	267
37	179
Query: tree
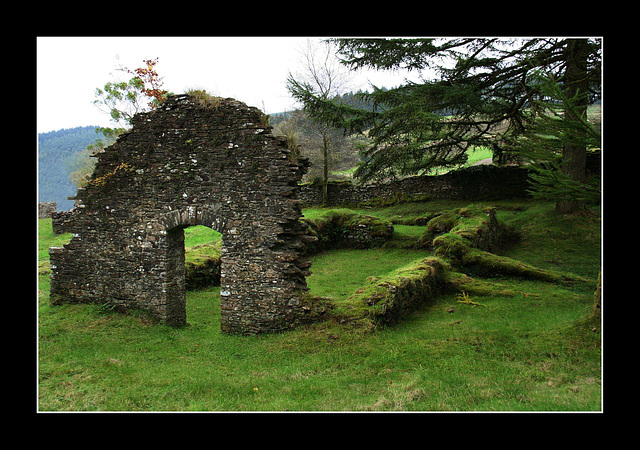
307	138
84	162
472	92
576	88
325	78
121	100
124	99
558	128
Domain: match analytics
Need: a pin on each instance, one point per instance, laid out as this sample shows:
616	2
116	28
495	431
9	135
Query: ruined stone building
189	163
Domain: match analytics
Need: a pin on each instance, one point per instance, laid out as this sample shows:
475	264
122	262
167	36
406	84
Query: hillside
56	151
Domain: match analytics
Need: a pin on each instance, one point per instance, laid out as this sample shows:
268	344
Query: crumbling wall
188	164
387	299
342	229
46	209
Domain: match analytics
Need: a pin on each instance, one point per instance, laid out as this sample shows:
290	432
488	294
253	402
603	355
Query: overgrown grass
529	346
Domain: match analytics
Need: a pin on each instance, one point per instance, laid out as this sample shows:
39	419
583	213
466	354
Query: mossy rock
342	229
202	266
443	222
425	218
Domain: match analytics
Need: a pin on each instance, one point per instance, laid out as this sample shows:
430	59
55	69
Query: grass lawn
533	351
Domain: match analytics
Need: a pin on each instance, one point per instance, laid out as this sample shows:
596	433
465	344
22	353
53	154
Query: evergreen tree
556	128
481	94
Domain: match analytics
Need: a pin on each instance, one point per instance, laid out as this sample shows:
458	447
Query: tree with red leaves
124	99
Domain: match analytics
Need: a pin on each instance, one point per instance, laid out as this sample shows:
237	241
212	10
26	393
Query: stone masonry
187	164
472	183
46	209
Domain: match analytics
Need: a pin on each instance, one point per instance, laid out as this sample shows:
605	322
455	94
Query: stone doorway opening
197	266
189	238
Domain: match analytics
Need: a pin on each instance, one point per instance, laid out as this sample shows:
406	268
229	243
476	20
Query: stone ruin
189	163
46	209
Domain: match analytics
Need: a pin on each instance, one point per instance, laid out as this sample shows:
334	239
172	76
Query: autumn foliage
150	82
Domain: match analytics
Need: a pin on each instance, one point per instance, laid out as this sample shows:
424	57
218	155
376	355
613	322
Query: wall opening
193	262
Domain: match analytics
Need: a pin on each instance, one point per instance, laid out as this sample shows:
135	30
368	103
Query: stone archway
189	164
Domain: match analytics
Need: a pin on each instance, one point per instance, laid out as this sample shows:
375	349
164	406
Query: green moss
203	252
425	218
385	299
462	222
316	308
489	264
396	199
377	227
443	222
451	245
344	228
461	282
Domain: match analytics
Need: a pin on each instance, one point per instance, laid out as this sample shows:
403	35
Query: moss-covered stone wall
341	229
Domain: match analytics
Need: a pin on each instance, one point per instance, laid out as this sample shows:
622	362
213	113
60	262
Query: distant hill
56	152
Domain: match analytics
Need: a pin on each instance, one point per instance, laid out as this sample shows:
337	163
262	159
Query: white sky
250	69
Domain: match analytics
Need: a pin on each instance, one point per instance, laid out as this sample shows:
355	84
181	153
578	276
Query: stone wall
46	209
186	164
483	182
475	183
340	229
394	296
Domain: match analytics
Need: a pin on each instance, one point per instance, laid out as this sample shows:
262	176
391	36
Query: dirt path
483	161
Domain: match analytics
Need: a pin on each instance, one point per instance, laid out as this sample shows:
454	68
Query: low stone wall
483	182
46	209
394	296
346	230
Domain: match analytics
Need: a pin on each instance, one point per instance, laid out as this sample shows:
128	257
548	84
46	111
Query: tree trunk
325	167
574	154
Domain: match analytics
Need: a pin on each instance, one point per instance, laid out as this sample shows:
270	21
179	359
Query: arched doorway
172	228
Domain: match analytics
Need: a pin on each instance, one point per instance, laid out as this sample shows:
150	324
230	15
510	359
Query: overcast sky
250	69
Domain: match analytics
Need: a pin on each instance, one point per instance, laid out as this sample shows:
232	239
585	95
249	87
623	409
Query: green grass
478	154
338	273
531	350
199	234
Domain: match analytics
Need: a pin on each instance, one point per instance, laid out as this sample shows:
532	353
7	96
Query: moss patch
384	300
347	229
